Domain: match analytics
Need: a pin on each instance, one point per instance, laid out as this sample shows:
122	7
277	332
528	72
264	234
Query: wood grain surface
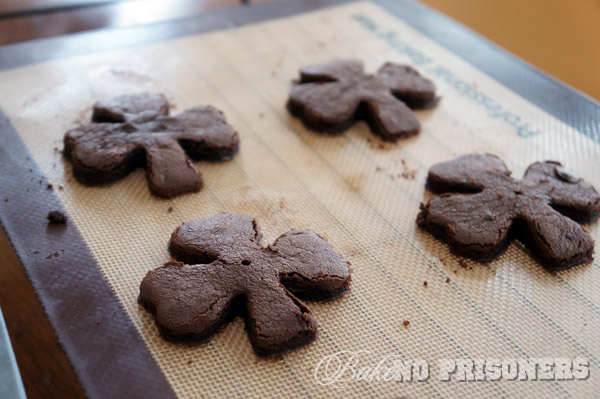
22	27
558	37
44	367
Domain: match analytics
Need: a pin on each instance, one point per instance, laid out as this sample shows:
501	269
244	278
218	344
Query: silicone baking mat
359	192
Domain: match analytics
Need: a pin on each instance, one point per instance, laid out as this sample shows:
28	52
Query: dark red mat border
108	355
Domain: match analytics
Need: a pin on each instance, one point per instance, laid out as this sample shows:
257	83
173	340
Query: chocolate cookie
484	207
133	131
331	96
227	274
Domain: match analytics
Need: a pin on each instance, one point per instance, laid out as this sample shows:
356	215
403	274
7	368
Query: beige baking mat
354	189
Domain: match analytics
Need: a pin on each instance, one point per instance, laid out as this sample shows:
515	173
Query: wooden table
558	37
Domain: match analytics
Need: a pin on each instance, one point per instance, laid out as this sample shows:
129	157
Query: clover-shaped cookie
227	274
484	207
332	95
133	131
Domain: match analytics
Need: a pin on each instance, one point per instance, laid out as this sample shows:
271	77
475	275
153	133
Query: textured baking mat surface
360	193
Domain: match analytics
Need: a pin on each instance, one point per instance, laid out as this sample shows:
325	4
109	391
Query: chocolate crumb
60	188
170	209
407	173
56	217
447	279
406	323
190	362
410	175
425	284
50	186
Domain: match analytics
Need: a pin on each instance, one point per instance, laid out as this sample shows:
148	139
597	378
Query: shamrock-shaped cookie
134	131
484	207
332	95
227	274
